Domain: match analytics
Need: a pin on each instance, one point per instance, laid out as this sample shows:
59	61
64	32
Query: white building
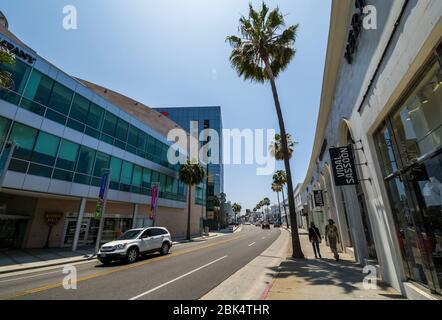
382	96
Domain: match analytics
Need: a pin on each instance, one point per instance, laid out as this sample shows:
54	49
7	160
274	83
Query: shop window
110	124
45	150
24	136
67	156
39	88
61	98
80	108
155	177
142	138
162	182
418	122
121	132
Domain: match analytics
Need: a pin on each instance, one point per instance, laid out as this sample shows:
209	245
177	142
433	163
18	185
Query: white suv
134	243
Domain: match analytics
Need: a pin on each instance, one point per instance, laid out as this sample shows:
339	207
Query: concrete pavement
324	279
189	272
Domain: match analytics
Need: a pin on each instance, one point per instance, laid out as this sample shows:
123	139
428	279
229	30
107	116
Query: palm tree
6	58
280	178
277	188
276	147
236	209
266	202
191	174
263	51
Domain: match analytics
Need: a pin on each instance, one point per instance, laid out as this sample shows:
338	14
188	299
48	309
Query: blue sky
173	53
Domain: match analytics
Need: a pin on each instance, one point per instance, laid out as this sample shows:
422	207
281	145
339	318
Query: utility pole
101	205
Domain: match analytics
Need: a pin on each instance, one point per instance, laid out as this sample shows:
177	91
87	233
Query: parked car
258	224
266	225
136	242
277	225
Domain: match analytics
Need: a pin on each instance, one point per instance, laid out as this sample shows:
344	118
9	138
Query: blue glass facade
207	117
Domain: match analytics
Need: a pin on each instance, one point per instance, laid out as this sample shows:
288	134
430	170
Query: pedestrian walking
315	239
331	233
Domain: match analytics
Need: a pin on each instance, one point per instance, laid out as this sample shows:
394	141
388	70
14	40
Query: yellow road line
123	268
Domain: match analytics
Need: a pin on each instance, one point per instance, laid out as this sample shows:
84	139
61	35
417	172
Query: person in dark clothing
315	239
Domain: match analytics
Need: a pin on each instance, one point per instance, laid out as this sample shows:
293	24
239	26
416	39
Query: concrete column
79	222
135	215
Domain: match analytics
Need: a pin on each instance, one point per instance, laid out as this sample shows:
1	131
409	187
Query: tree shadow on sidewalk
322	272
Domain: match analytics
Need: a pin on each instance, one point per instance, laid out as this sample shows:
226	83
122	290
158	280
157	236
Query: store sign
318	198
52	218
13	49
343	165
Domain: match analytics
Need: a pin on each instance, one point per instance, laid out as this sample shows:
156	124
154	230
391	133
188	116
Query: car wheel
132	255
164	249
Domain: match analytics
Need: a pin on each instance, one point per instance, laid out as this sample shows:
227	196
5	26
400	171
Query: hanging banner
343	166
154	201
104	185
318	198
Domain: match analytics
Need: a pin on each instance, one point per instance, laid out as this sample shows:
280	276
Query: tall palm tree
236	209
276	147
191	174
264	49
280	178
277	188
6	59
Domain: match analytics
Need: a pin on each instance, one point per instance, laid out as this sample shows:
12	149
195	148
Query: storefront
410	148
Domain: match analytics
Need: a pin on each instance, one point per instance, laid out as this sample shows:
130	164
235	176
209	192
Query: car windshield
129	235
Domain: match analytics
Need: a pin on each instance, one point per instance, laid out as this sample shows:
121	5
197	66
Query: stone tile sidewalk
324	279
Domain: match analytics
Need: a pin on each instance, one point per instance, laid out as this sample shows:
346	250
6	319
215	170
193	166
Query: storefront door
71	225
12	231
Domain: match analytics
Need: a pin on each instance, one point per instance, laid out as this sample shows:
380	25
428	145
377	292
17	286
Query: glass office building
207	117
66	133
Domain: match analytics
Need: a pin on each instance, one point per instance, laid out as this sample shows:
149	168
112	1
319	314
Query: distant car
277	225
258	224
266	225
136	242
247	223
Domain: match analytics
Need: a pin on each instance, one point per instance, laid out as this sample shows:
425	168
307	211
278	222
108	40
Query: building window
410	148
45	150
24	136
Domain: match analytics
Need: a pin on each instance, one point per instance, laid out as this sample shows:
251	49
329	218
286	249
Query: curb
25	268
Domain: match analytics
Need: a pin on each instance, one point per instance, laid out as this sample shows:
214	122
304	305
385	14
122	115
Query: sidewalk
325	279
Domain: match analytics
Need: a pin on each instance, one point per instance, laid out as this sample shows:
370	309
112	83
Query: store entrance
12	231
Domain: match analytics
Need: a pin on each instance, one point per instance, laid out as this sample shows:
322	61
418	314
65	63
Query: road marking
252	244
176	279
127	267
28	277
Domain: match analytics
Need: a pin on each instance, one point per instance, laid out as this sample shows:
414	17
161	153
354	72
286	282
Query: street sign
318	197
343	166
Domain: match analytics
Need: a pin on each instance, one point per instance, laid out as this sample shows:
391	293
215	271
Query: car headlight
120	246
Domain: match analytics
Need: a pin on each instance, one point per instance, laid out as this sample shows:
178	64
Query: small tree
276	147
280	178
191	174
277	188
236	209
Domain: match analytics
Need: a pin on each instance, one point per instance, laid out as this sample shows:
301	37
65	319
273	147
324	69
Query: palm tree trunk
285	210
279	207
188	213
296	244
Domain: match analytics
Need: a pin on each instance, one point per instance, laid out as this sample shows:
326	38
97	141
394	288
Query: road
187	273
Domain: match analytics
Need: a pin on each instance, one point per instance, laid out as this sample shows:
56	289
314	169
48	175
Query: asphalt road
187	273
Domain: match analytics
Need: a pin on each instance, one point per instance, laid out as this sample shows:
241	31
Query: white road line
252	244
176	279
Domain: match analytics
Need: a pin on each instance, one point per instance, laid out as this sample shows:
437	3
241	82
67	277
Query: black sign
318	197
17	51
343	165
